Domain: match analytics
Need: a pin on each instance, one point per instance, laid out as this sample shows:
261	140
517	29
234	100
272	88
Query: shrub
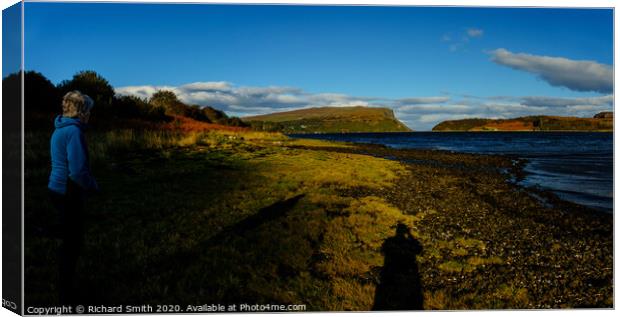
169	101
92	84
135	107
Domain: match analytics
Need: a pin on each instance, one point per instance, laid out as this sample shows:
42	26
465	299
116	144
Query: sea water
576	166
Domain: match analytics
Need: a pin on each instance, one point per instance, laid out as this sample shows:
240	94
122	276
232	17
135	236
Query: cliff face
600	122
329	120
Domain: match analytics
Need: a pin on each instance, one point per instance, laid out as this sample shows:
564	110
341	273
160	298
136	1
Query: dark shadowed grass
222	218
229	217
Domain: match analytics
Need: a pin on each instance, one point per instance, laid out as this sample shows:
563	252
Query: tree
235	122
92	84
136	107
169	101
40	95
214	115
11	105
196	113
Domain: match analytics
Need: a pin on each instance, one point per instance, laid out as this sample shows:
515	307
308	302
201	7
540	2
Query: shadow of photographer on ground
399	287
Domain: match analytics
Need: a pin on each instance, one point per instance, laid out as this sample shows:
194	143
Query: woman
69	180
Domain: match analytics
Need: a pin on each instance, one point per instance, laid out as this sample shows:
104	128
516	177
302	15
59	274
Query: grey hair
75	103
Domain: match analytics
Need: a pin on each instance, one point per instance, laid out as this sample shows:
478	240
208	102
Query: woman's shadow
400	288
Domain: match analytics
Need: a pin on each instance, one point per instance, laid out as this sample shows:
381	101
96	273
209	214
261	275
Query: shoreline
593	203
263	217
512	166
537	248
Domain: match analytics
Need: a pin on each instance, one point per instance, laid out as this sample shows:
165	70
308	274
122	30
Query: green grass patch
181	218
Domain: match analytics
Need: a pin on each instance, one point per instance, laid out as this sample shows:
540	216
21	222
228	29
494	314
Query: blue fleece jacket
69	156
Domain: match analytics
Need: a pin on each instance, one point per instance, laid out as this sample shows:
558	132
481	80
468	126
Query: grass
324	112
330	120
257	217
157	231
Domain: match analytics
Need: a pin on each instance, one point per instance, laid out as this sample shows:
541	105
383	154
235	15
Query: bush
43	101
169	101
40	94
92	84
233	122
213	114
196	113
135	107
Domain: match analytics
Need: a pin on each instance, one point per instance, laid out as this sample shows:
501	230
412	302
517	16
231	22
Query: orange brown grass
180	123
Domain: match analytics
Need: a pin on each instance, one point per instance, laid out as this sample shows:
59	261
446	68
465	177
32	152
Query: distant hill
329	120
604	115
600	122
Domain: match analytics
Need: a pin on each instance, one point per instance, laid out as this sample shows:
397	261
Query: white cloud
563	102
425	116
285	99
423	100
262	91
141	91
246	100
428	118
588	108
559	71
419	113
456	108
207	86
206	98
463	37
474	32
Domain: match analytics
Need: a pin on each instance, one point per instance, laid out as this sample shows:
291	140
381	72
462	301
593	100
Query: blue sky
428	64
11	39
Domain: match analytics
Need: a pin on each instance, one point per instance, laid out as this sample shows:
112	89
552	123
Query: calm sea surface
578	167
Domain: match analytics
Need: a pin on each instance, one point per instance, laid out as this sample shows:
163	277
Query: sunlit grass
160	224
165	195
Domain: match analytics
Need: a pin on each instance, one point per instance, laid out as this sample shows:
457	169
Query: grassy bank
329	120
248	217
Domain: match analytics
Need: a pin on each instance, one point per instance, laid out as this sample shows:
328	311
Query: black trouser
70	207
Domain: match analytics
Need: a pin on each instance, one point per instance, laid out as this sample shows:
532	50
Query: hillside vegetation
531	123
329	120
163	110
